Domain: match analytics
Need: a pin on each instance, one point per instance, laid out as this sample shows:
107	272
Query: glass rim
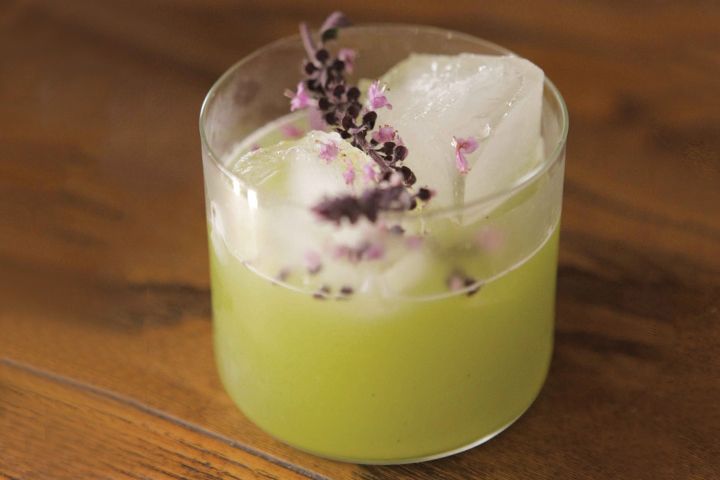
547	164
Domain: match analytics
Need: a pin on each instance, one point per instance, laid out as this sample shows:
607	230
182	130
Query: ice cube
304	171
270	214
495	100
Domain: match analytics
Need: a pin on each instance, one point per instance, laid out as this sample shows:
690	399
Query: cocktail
383	252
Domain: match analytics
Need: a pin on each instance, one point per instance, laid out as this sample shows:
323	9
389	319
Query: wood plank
56	427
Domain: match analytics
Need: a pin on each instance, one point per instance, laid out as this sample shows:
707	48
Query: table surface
106	366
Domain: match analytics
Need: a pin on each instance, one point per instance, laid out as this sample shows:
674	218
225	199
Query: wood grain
54	427
104	306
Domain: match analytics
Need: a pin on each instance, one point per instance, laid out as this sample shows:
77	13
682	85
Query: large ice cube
267	217
494	99
303	171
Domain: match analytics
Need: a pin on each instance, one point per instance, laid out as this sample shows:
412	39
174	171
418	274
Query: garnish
329	151
490	239
365	251
322	293
381	198
332	102
376	97
292	131
458	281
326	88
349	174
300	99
463	146
313	262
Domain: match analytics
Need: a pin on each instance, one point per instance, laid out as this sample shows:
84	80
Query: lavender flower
300	98
376	97
329	151
384	134
291	131
490	239
349	174
339	104
458	280
463	146
370	174
313	263
347	56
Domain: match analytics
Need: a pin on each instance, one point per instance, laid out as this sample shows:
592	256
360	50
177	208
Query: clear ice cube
494	99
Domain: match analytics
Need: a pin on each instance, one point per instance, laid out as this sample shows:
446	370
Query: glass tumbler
388	366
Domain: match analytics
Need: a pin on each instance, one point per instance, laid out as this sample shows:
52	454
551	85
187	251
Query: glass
397	371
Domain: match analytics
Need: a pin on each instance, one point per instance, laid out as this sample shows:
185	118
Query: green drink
413	336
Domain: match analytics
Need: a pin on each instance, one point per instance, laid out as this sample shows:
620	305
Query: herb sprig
326	88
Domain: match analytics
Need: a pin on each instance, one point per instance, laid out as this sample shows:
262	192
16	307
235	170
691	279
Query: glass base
404	461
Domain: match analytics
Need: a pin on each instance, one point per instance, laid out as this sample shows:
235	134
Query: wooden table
106	366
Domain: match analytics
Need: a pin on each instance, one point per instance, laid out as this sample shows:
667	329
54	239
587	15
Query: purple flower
341	251
300	99
347	56
395	180
386	133
413	242
329	151
374	251
370	173
315	118
291	131
376	97
463	146
254	147
456	282
490	239
349	174
313	262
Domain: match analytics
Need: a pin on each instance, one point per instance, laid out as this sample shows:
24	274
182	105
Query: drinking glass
388	365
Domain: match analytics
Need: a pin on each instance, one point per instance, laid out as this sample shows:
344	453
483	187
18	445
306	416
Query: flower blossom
386	133
291	131
376	97
329	151
347	56
313	263
463	146
349	174
299	99
370	173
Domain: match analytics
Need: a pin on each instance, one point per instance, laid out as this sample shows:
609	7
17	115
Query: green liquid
372	379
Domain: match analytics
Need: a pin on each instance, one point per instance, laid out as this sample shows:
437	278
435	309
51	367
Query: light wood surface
107	367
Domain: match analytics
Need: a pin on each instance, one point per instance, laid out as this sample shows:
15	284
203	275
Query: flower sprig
325	89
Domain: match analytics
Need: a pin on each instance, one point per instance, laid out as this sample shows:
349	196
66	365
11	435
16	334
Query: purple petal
329	151
349	175
348	55
463	146
300	99
374	251
490	239
376	97
313	262
414	242
370	173
386	133
336	19
468	145
315	118
291	131
456	282
307	41
461	162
